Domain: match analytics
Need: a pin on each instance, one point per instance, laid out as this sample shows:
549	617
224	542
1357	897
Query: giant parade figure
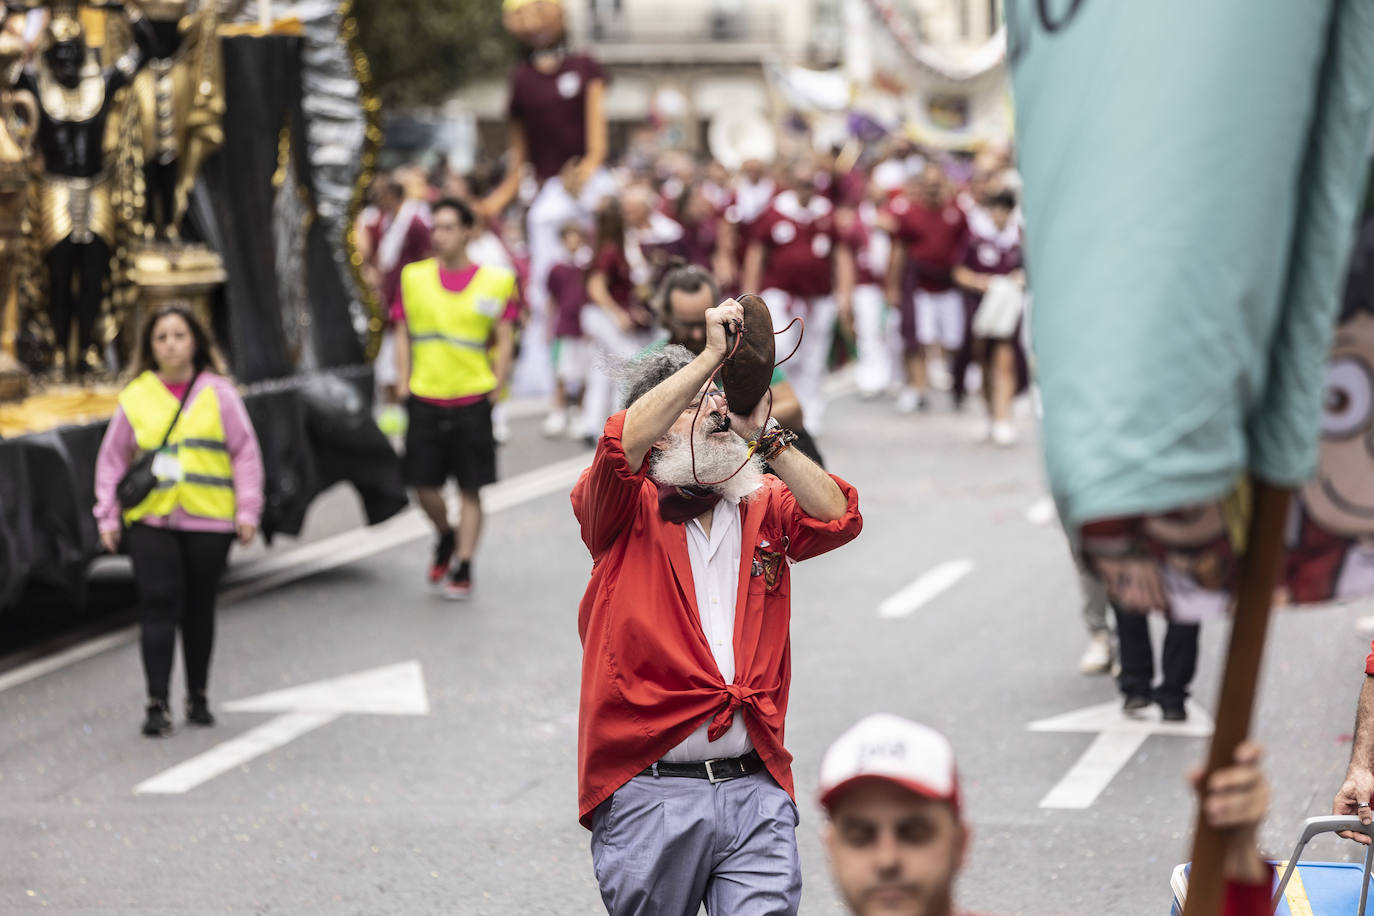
181	103
76	211
558	127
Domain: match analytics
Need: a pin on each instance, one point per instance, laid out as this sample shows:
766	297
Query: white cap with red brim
895	750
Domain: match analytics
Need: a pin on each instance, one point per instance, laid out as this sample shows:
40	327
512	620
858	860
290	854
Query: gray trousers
1094	602
663	846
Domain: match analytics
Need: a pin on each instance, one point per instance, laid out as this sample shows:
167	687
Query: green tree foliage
421	51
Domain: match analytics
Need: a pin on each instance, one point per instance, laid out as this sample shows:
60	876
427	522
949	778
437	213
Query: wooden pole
1250	624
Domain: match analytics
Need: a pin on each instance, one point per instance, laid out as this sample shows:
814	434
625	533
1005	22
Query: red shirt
552	109
798	245
934	238
455	281
648	676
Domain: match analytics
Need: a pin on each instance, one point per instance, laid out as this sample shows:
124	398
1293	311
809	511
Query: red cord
710	383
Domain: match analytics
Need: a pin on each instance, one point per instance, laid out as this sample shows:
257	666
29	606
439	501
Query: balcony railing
648	31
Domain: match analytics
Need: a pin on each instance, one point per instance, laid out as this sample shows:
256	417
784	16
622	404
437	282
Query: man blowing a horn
682	774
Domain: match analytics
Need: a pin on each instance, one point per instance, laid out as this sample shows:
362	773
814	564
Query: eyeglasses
715	394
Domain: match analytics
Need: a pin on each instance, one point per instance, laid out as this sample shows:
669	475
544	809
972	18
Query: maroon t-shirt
568	290
611	261
798	244
552	108
934	239
999	254
416	247
700	241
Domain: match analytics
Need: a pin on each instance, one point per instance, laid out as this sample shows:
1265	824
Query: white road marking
278	569
1365	624
391	690
923	590
1119	737
233	753
78	652
1094	771
1041	512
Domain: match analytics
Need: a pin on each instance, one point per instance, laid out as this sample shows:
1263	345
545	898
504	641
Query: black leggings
178	574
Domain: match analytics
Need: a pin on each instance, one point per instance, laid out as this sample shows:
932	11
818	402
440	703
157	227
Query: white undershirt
715	573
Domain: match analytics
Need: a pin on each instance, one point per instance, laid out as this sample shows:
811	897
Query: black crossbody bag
139	481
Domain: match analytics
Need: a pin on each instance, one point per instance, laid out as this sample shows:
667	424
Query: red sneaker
443	558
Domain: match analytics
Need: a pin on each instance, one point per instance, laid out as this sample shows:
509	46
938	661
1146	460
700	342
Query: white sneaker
500	428
908	400
555	424
1097	658
1003	433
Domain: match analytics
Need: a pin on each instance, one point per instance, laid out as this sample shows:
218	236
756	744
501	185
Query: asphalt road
464	800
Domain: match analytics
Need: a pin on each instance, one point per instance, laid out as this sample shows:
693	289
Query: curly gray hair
646	372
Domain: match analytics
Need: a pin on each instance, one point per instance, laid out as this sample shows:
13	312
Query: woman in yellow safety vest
206	490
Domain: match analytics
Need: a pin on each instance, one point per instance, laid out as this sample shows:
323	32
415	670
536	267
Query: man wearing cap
897	839
683	778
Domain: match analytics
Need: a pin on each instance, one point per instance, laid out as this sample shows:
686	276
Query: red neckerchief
679	505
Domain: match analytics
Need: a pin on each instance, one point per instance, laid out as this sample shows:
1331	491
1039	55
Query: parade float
158	151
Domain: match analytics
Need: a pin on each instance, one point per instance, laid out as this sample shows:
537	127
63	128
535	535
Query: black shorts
444	442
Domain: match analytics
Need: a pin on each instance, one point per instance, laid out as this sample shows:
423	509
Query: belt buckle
711	773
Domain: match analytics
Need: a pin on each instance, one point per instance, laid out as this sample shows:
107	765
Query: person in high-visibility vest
208	491
450	376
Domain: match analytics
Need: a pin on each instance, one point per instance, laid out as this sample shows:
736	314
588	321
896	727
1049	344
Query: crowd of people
889	254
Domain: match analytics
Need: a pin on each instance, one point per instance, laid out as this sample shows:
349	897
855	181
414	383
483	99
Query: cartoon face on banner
536	24
1331	535
1185	562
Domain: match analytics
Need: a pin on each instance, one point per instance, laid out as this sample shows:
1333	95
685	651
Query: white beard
715	458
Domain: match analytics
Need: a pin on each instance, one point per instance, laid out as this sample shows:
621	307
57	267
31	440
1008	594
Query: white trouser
610	347
552	208
572	364
940	318
806	370
874	332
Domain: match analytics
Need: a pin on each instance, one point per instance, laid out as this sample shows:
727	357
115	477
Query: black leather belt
722	769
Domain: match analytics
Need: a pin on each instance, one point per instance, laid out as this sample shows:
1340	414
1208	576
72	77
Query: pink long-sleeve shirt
118	448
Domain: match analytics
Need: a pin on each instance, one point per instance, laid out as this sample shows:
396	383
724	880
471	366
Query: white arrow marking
1119	736
392	690
924	589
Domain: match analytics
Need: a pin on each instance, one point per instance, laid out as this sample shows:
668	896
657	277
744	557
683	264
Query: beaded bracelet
776	441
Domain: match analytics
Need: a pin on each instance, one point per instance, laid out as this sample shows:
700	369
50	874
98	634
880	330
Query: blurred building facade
677	64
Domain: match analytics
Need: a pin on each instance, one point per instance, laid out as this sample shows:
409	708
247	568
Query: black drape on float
235	211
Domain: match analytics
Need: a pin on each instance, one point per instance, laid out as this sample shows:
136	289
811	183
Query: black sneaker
1135	702
443	556
198	712
158	722
459	584
1173	713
